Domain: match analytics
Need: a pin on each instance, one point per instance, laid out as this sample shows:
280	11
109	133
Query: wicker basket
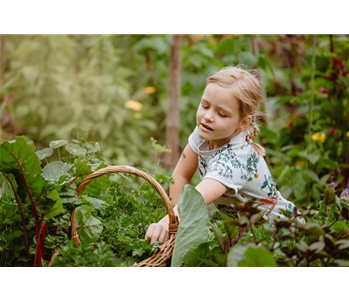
160	258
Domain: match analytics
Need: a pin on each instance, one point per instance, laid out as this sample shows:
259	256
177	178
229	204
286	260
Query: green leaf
194	224
78	133
264	63
97	203
299	184
89	228
324	179
82	167
330	196
46	152
198	256
137	252
57	208
91	148
18	157
250	256
209	263
219	236
75	149
58	144
9	187
247	58
312	175
56	172
313	158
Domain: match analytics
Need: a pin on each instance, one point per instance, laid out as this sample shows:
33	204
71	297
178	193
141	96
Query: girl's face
217	117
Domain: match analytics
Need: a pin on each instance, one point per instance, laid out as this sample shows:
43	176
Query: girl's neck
214	145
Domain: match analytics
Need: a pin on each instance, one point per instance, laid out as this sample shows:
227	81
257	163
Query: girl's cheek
198	113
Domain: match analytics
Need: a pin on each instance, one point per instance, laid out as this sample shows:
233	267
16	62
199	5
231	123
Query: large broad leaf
250	256
18	157
194	224
57	208
88	227
56	172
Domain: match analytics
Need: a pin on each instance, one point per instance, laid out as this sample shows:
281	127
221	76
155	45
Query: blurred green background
116	88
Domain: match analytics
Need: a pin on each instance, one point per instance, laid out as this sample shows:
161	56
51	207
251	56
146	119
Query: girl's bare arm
210	189
183	172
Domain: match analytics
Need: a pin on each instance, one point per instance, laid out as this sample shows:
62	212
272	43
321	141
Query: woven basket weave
160	258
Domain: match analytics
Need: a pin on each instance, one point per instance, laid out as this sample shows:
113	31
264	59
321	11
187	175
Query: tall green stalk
312	87
311	105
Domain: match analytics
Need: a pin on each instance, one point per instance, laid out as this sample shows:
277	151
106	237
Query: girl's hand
157	232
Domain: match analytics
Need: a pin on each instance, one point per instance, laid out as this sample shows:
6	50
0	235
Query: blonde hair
247	88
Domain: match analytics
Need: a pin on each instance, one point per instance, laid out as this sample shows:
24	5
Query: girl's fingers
156	234
150	231
163	235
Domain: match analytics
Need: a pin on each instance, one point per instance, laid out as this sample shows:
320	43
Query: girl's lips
205	127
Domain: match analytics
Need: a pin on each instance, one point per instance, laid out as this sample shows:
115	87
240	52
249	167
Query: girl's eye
204	105
222	115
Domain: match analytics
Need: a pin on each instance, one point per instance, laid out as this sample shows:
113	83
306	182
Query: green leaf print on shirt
290	207
251	167
224	161
268	182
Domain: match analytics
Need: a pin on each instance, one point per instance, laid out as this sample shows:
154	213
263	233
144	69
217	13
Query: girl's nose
208	117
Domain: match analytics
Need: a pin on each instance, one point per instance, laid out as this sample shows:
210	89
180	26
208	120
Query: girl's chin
204	135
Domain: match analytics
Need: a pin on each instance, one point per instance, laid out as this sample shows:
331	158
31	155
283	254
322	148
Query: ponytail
255	131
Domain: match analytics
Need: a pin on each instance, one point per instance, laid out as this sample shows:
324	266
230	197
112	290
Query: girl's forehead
217	94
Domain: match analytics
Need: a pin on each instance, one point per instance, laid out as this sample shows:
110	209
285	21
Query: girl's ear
245	123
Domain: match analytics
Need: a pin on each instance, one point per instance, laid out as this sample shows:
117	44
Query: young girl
231	165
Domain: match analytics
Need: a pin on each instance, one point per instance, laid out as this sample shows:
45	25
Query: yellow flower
138	115
319	137
347	133
300	164
150	90
315	136
345	102
340	143
134	105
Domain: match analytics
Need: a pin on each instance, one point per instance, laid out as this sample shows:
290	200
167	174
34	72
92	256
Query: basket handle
173	219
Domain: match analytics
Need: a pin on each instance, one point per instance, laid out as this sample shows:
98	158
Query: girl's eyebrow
225	109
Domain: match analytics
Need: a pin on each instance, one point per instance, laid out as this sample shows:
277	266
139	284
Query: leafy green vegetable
193	226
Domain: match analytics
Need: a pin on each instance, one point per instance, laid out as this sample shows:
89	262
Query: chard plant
213	239
41	198
38	194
